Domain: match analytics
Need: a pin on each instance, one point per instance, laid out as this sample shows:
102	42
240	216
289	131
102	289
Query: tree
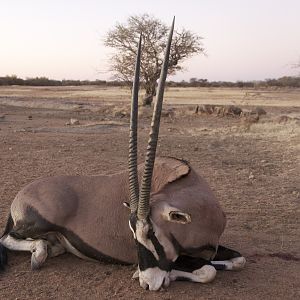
124	39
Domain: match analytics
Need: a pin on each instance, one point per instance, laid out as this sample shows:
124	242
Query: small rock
2	117
29	117
251	176
73	122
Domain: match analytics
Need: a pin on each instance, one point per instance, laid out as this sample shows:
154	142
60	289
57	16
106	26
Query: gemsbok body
172	230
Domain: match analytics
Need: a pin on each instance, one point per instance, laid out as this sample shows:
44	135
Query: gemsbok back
175	221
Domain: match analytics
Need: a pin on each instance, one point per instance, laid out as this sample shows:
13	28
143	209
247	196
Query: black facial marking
133	220
145	257
34	226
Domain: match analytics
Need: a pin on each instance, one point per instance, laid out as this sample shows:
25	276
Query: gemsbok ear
173	214
126	204
179	217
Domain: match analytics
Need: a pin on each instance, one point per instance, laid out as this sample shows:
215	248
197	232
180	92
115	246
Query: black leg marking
219	266
189	264
3	257
9	225
224	253
228	259
183	279
3	250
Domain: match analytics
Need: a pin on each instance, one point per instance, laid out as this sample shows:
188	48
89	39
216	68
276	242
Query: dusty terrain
253	169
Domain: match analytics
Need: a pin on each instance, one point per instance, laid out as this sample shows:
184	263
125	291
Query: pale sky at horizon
244	39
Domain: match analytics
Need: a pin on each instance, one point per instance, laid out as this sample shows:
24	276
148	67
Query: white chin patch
154	278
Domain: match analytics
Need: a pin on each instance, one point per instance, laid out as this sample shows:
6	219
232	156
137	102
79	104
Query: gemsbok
175	221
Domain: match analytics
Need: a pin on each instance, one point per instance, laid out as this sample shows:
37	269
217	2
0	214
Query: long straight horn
144	199
132	161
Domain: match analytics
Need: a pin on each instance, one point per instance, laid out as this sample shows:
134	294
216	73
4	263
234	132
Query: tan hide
91	207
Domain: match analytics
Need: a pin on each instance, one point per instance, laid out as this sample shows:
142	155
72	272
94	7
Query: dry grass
218	96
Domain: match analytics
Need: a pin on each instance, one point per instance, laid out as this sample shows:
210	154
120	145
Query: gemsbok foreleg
187	268
38	248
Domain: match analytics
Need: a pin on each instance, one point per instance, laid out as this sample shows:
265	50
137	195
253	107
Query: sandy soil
254	172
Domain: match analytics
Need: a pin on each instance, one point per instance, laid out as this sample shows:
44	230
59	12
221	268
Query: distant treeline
44	81
286	81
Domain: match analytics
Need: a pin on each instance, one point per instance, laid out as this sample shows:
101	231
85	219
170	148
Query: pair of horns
140	197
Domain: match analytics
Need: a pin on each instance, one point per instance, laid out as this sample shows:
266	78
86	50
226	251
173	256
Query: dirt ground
254	170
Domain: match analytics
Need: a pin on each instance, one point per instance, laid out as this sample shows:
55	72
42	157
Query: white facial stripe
167	245
134	236
142	228
154	278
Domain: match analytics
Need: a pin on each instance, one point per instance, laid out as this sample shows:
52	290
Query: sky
243	39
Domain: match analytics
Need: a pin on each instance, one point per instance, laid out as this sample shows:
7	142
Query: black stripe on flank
35	226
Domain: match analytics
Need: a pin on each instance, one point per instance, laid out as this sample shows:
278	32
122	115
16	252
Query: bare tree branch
124	39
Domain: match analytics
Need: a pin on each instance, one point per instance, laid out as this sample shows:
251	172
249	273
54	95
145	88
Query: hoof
206	274
39	255
238	263
35	264
135	275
